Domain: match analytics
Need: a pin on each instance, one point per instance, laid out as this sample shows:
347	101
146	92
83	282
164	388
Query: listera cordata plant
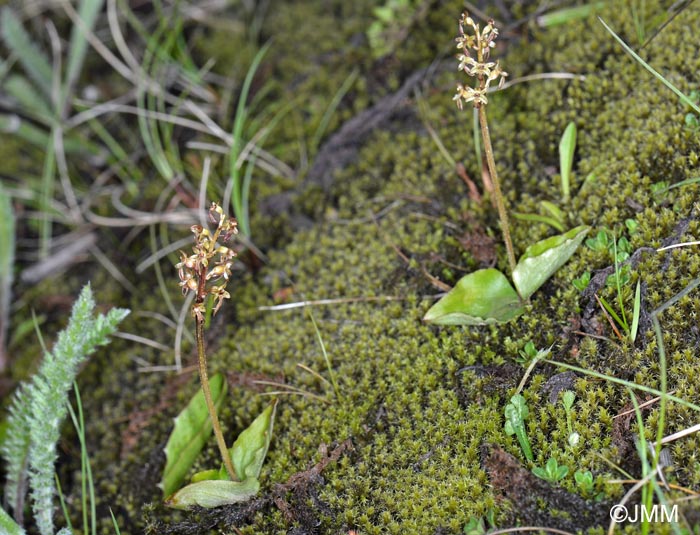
206	273
487	296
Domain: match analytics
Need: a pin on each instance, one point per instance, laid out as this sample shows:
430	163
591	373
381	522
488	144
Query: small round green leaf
545	257
480	298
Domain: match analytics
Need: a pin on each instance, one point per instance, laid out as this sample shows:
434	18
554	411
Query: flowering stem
485	71
194	272
204	378
502	213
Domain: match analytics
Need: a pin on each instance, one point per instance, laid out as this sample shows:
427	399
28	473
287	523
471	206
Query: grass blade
682	183
614	315
250	167
325	356
568	15
88	12
114	523
62	502
678	92
88	486
629	384
635	313
148	126
323	125
48	178
237	144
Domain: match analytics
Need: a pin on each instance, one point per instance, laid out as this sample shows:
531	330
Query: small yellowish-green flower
476	46
194	270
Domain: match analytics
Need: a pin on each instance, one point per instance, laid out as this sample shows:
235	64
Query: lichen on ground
421	405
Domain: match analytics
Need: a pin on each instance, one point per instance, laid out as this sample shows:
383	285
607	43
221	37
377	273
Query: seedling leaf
635	313
191	431
544	258
584	480
540	472
554	210
516	413
567	146
479	298
552	472
537	218
250	448
213	493
567	399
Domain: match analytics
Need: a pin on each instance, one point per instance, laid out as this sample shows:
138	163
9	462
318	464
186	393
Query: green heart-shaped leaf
545	257
213	493
250	448
192	430
479	298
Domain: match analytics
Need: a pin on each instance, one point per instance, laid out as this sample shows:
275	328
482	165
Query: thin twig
676	245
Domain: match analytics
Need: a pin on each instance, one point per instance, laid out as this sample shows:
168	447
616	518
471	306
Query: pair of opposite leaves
487	296
213	488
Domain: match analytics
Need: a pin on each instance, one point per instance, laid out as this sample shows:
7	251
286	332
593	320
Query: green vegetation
391	25
88	500
516	414
552	471
209	262
206	274
7	266
45	95
584	480
192	429
214	488
692	120
567	401
39	407
556	217
527	354
567	146
486	296
361	217
619	250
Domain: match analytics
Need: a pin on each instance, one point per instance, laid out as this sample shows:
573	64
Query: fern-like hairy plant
40	406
